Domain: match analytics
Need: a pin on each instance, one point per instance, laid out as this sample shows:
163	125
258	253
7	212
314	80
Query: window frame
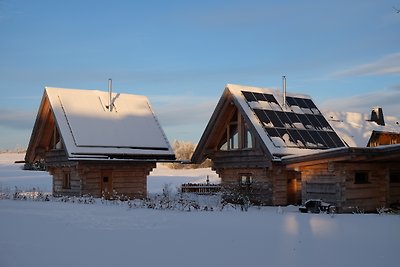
361	177
394	177
246	179
237	135
66	180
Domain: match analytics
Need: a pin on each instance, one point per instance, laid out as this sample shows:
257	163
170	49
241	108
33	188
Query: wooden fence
202	189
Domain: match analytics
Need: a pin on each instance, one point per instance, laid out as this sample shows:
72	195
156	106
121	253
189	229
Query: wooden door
291	191
106	184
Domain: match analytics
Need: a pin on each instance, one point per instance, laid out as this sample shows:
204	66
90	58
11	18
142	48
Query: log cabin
97	143
278	148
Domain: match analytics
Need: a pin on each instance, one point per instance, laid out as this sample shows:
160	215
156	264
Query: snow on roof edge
236	91
72	147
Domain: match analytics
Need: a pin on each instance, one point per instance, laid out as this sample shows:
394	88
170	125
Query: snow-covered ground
34	233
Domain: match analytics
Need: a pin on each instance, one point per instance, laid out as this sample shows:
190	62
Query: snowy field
34	233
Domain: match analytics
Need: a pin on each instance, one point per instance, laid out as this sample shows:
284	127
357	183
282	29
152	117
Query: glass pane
234	137
249	140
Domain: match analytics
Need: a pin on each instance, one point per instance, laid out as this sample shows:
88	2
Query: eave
353	154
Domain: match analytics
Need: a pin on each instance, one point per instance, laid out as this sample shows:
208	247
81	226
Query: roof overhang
87	130
346	154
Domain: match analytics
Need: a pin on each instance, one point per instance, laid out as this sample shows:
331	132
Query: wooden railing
202	189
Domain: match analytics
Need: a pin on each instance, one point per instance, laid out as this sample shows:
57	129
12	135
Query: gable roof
356	129
89	130
291	128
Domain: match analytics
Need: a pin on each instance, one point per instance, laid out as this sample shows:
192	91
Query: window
246	179
394	177
237	135
67	181
234	136
361	177
56	139
247	138
231	140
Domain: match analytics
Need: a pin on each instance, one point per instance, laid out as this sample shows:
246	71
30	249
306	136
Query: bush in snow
36	166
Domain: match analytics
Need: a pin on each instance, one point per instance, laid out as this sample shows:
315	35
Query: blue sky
182	53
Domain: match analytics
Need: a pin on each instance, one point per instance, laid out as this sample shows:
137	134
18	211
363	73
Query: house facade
97	143
259	141
354	179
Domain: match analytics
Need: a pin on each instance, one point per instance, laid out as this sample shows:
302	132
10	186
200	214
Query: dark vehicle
316	206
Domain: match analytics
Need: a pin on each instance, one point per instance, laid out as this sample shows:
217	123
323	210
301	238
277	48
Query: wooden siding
268	186
394	194
279	178
335	183
259	191
58	181
41	133
128	180
368	196
241	158
319	182
57	157
383	138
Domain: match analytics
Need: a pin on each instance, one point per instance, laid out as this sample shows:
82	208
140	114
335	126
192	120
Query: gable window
237	134
56	139
248	142
233	136
393	140
361	177
394	177
67	180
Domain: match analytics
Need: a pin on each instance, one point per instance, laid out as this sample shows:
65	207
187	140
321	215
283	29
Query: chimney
109	95
377	116
284	91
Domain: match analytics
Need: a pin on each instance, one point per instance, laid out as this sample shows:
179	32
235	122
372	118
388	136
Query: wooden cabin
379	138
353	179
256	136
97	143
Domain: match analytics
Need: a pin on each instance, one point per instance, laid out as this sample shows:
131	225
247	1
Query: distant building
97	143
278	149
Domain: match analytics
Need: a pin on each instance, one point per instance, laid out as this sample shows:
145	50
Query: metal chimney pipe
110	94
284	90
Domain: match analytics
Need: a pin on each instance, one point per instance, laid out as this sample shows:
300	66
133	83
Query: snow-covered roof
294	127
356	128
89	129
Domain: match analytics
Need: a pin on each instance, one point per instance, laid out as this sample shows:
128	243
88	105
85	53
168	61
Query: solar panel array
300	125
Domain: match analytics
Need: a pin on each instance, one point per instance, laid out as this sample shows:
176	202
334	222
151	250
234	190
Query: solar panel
300	125
249	96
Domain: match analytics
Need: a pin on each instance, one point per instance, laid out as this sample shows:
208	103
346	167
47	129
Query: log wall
269	185
127	179
335	183
58	181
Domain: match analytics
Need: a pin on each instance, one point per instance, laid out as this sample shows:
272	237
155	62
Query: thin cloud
183	117
229	15
388	100
396	87
183	111
21	120
389	64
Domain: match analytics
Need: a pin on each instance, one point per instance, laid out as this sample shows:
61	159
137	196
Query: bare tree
184	151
